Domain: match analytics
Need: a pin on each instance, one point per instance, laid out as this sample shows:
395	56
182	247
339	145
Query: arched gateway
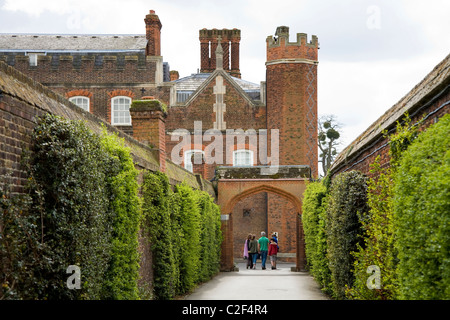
237	183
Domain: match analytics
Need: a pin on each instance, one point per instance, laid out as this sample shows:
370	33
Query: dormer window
183	95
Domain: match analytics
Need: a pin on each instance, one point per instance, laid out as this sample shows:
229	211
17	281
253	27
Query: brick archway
263	186
232	187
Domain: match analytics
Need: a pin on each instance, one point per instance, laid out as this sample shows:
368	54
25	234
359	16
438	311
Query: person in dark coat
253	251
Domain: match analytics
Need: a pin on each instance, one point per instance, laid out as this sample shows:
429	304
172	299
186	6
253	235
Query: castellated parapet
279	47
121	67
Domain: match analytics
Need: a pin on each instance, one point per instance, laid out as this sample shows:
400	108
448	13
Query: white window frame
33	56
74	99
235	154
113	112
188	165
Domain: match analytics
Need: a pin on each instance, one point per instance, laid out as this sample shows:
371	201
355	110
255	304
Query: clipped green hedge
155	192
82	210
378	249
314	219
20	244
123	271
189	220
68	169
399	224
421	215
184	232
346	208
210	237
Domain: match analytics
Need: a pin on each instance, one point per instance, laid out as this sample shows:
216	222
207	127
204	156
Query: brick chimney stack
229	41
153	34
148	117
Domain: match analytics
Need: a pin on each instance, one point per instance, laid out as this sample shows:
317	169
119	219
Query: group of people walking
263	247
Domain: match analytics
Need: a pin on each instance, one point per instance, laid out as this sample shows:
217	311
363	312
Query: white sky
371	52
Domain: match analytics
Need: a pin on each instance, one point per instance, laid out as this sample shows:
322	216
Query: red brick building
207	121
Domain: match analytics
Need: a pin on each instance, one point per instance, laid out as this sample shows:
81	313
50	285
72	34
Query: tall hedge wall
389	238
422	215
347	206
185	235
378	249
82	209
314	225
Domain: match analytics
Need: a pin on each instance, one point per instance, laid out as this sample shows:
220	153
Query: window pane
188	159
243	158
121	110
82	102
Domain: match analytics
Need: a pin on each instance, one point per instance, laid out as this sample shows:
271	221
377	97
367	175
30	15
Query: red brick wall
282	217
117	68
254	222
226	264
16	125
239	112
267	212
149	128
367	154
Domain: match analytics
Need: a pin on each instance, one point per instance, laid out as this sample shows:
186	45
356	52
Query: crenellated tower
291	80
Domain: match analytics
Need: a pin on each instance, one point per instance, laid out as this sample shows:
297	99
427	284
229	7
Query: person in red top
273	250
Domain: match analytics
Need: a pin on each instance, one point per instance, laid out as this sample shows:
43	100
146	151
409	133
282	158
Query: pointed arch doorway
240	184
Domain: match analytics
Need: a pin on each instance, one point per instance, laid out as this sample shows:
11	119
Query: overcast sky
371	52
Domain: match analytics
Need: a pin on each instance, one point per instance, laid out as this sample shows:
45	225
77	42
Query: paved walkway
279	284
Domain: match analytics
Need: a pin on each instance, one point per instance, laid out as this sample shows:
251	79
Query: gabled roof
70	43
200	81
192	82
196	83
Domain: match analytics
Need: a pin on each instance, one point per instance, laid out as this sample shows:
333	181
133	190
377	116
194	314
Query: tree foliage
328	137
